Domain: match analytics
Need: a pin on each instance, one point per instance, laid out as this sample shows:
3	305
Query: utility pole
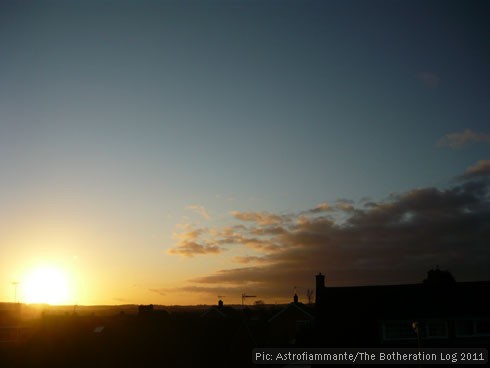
15	284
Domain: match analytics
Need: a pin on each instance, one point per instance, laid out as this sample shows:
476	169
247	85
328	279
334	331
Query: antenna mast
244	296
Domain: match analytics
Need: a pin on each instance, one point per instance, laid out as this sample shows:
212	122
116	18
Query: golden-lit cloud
189	249
188	244
322	207
262	218
189	233
192	241
460	139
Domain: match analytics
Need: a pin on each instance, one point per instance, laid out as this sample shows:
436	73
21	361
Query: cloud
461	139
429	79
162	292
199	210
195	241
390	241
189	234
322	207
344	205
210	290
480	169
268	230
237	276
190	249
262	218
251	259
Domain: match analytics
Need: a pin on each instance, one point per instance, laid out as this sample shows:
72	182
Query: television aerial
245	296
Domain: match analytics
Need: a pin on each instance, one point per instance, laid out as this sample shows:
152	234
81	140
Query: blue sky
115	117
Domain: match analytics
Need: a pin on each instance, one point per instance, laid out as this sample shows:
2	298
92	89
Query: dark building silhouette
320	285
291	325
10	313
445	312
215	313
11	329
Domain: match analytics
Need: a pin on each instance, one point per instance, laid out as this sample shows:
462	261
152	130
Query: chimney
320	286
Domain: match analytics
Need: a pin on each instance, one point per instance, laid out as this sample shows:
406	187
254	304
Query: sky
168	152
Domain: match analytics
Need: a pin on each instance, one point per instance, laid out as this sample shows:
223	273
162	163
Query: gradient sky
169	152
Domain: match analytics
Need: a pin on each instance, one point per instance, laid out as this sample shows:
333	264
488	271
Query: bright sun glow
46	285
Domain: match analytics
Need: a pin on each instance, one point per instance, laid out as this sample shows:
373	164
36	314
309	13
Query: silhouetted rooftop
412	300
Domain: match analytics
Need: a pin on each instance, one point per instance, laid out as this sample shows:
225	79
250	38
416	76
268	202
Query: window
404	330
465	327
483	327
473	327
435	329
398	330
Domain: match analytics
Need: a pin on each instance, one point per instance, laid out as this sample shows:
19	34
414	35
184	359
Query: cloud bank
391	241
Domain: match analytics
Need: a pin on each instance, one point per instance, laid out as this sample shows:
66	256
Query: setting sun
46	285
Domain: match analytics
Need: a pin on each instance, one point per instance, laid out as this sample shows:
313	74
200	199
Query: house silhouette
432	314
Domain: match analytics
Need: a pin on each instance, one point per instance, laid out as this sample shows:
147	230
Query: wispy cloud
391	241
429	79
251	259
199	210
460	139
480	169
211	291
